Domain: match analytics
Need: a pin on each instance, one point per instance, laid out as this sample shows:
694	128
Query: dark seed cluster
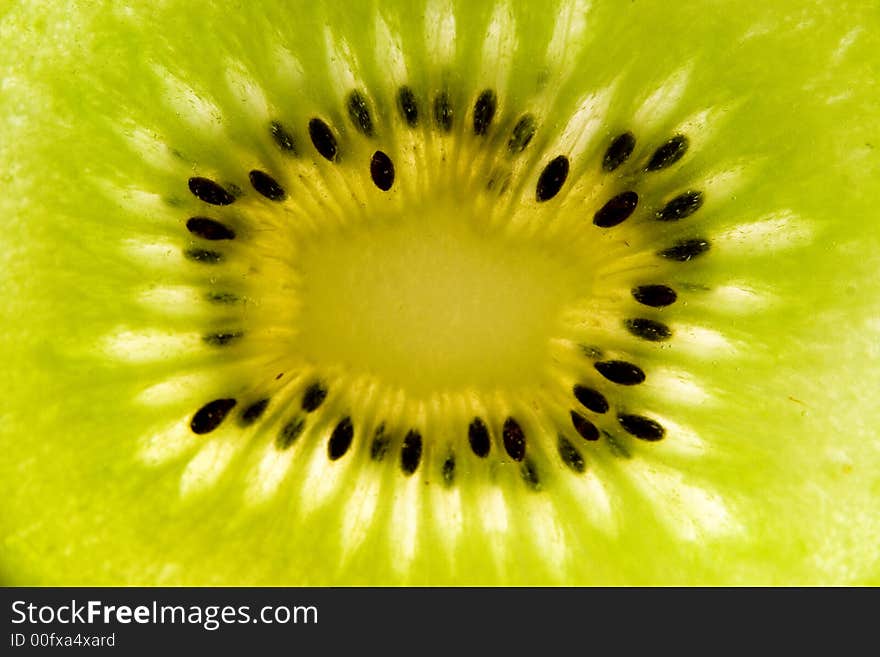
552	178
619	206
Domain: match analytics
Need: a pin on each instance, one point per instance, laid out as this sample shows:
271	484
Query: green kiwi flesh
440	293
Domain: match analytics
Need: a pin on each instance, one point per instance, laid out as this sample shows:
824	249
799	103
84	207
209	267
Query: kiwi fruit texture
440	292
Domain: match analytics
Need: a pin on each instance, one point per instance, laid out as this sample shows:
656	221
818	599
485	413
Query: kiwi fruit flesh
440	293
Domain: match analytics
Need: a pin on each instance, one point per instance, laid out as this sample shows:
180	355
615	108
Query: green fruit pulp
773	475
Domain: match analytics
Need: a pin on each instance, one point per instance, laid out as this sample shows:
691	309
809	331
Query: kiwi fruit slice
440	292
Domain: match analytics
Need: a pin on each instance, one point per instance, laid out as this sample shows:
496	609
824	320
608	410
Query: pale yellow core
426	300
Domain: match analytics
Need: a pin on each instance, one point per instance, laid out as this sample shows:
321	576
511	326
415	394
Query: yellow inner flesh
426	299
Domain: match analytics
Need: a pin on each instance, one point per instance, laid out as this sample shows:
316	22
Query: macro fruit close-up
440	292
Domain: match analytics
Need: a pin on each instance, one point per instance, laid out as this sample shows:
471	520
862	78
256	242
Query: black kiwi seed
205	256
222	297
380	444
529	472
617	210
648	329
449	470
340	439
656	296
641	427
382	171
411	452
514	439
570	455
620	372
668	154
359	113
314	396
208	191
323	139
683	205
522	134
289	433
209	416
409	109
584	427
552	178
478	436
208	229
619	151
222	339
591	399
484	111
267	185
442	112
685	250
253	412
282	137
